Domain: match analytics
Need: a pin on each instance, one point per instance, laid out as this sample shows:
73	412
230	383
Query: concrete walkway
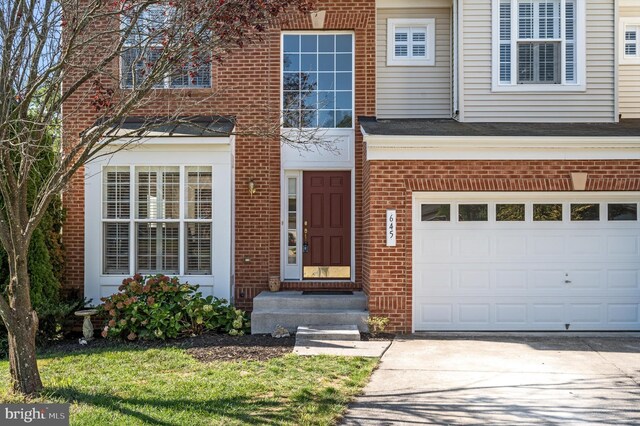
341	347
492	379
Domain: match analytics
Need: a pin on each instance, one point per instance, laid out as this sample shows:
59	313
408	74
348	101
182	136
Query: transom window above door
538	45
317	80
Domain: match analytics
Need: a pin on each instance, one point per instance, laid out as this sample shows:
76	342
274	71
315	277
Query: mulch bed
221	347
205	348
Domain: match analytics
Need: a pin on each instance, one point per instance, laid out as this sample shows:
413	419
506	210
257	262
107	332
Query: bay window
172	217
538	44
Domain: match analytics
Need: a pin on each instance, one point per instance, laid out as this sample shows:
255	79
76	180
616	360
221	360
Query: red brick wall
390	184
250	85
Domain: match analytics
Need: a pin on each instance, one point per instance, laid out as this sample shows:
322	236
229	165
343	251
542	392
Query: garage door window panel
622	212
585	212
473	213
547	212
510	213
436	212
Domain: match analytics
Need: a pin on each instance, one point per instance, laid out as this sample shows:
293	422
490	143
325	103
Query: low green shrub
377	325
159	307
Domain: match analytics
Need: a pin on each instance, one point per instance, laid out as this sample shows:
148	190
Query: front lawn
128	385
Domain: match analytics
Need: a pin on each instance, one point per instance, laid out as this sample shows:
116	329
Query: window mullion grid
182	232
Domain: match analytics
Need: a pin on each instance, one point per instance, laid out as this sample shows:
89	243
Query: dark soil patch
220	347
205	348
377	336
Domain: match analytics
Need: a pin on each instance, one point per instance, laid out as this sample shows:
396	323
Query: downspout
454	62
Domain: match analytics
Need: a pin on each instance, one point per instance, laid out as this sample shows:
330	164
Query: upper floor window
538	44
143	47
317	80
411	42
630	43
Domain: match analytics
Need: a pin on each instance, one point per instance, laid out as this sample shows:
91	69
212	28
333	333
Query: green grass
166	386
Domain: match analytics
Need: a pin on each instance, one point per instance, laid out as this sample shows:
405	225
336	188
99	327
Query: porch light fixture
252	187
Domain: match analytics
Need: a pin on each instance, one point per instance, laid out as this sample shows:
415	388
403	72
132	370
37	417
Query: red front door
326	225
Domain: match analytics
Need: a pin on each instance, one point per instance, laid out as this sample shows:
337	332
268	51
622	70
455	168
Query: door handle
305	243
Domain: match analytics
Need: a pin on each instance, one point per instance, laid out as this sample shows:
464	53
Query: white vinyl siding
629	75
595	104
415	91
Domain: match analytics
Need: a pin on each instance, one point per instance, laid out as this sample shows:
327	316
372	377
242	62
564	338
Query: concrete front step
296	299
328	332
265	322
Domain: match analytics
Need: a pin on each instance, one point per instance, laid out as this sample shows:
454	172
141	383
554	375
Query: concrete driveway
491	379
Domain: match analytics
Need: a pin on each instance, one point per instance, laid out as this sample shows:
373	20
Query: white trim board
500	148
412	4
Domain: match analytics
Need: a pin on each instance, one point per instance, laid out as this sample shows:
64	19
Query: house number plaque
391	228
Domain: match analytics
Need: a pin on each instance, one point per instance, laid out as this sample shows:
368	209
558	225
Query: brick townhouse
485	170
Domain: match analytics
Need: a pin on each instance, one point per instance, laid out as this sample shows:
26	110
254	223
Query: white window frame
624	23
580	51
291	272
429	26
293	132
133	219
166	82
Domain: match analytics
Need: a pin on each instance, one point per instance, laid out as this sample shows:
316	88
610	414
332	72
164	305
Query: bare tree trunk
22	328
25	376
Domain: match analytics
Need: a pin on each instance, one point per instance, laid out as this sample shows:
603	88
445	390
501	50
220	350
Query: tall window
536	42
143	47
165	225
317	80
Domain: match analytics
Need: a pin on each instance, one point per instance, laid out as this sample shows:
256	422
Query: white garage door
526	261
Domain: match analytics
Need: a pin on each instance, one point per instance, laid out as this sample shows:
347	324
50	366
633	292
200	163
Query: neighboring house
486	176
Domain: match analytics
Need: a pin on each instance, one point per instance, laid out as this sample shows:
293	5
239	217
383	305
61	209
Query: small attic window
411	42
630	42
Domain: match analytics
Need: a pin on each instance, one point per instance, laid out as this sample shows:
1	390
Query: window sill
538	88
